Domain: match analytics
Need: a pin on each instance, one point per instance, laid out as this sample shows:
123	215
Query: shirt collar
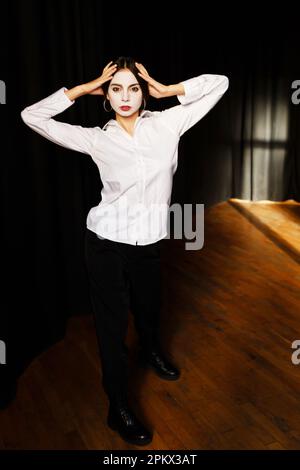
113	122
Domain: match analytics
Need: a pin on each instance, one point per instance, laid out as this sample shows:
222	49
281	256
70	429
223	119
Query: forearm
76	92
174	90
196	87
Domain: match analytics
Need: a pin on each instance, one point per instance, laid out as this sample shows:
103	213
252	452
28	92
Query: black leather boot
122	419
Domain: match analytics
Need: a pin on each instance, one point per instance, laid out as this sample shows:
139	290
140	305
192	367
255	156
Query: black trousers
122	277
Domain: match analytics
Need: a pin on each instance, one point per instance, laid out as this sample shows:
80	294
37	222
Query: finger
143	68
107	65
140	66
109	71
143	73
110	67
144	76
109	77
147	78
113	67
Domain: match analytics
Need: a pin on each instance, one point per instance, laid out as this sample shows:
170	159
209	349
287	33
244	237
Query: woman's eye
134	88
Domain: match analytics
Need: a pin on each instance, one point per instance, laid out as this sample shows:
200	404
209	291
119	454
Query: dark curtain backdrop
246	147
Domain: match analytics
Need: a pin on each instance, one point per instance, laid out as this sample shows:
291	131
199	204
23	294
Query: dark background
248	146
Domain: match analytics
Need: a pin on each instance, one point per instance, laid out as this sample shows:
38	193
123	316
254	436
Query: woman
136	154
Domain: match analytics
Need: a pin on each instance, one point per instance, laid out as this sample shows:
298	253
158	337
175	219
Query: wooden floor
230	314
280	221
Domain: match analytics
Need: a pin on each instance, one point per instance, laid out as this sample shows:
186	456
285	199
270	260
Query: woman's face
124	90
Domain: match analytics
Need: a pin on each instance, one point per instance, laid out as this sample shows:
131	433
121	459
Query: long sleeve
39	117
201	94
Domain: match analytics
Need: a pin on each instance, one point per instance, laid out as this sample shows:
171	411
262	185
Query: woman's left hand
156	89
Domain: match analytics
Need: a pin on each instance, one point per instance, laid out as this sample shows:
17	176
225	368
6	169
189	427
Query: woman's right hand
95	86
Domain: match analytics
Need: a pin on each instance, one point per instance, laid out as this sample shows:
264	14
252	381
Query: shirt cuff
58	99
68	99
193	88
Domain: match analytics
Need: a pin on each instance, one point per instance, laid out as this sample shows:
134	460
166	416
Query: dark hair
128	63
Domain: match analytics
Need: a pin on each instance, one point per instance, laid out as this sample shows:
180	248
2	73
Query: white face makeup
124	90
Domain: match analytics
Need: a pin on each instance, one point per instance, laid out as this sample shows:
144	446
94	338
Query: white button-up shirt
136	171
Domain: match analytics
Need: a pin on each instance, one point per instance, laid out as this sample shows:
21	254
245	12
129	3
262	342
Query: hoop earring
107	110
